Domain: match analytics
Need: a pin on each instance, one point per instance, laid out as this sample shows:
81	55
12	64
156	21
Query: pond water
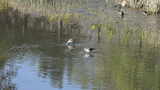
35	58
38	60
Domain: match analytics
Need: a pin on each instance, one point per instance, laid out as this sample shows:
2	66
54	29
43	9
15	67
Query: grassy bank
57	15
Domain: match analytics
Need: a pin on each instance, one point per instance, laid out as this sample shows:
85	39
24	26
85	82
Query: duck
69	42
145	13
89	50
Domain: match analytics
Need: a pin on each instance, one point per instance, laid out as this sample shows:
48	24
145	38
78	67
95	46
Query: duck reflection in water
88	55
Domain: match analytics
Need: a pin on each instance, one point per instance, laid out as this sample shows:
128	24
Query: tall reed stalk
151	6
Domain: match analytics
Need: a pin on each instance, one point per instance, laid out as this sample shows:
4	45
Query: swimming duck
89	50
145	13
69	42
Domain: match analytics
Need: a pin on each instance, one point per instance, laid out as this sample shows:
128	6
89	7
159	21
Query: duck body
69	42
89	50
145	13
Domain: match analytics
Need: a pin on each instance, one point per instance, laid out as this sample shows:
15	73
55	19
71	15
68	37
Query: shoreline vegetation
149	6
152	7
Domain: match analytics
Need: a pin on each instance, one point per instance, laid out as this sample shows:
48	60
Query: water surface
34	57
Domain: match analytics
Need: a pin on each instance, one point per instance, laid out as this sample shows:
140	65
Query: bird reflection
88	55
70	47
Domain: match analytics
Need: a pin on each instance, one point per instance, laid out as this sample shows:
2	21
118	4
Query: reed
57	12
3	4
151	6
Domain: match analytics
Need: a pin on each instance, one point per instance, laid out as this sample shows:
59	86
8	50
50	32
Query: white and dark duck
145	13
70	44
89	50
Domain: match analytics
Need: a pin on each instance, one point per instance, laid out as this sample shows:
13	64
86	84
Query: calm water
35	59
